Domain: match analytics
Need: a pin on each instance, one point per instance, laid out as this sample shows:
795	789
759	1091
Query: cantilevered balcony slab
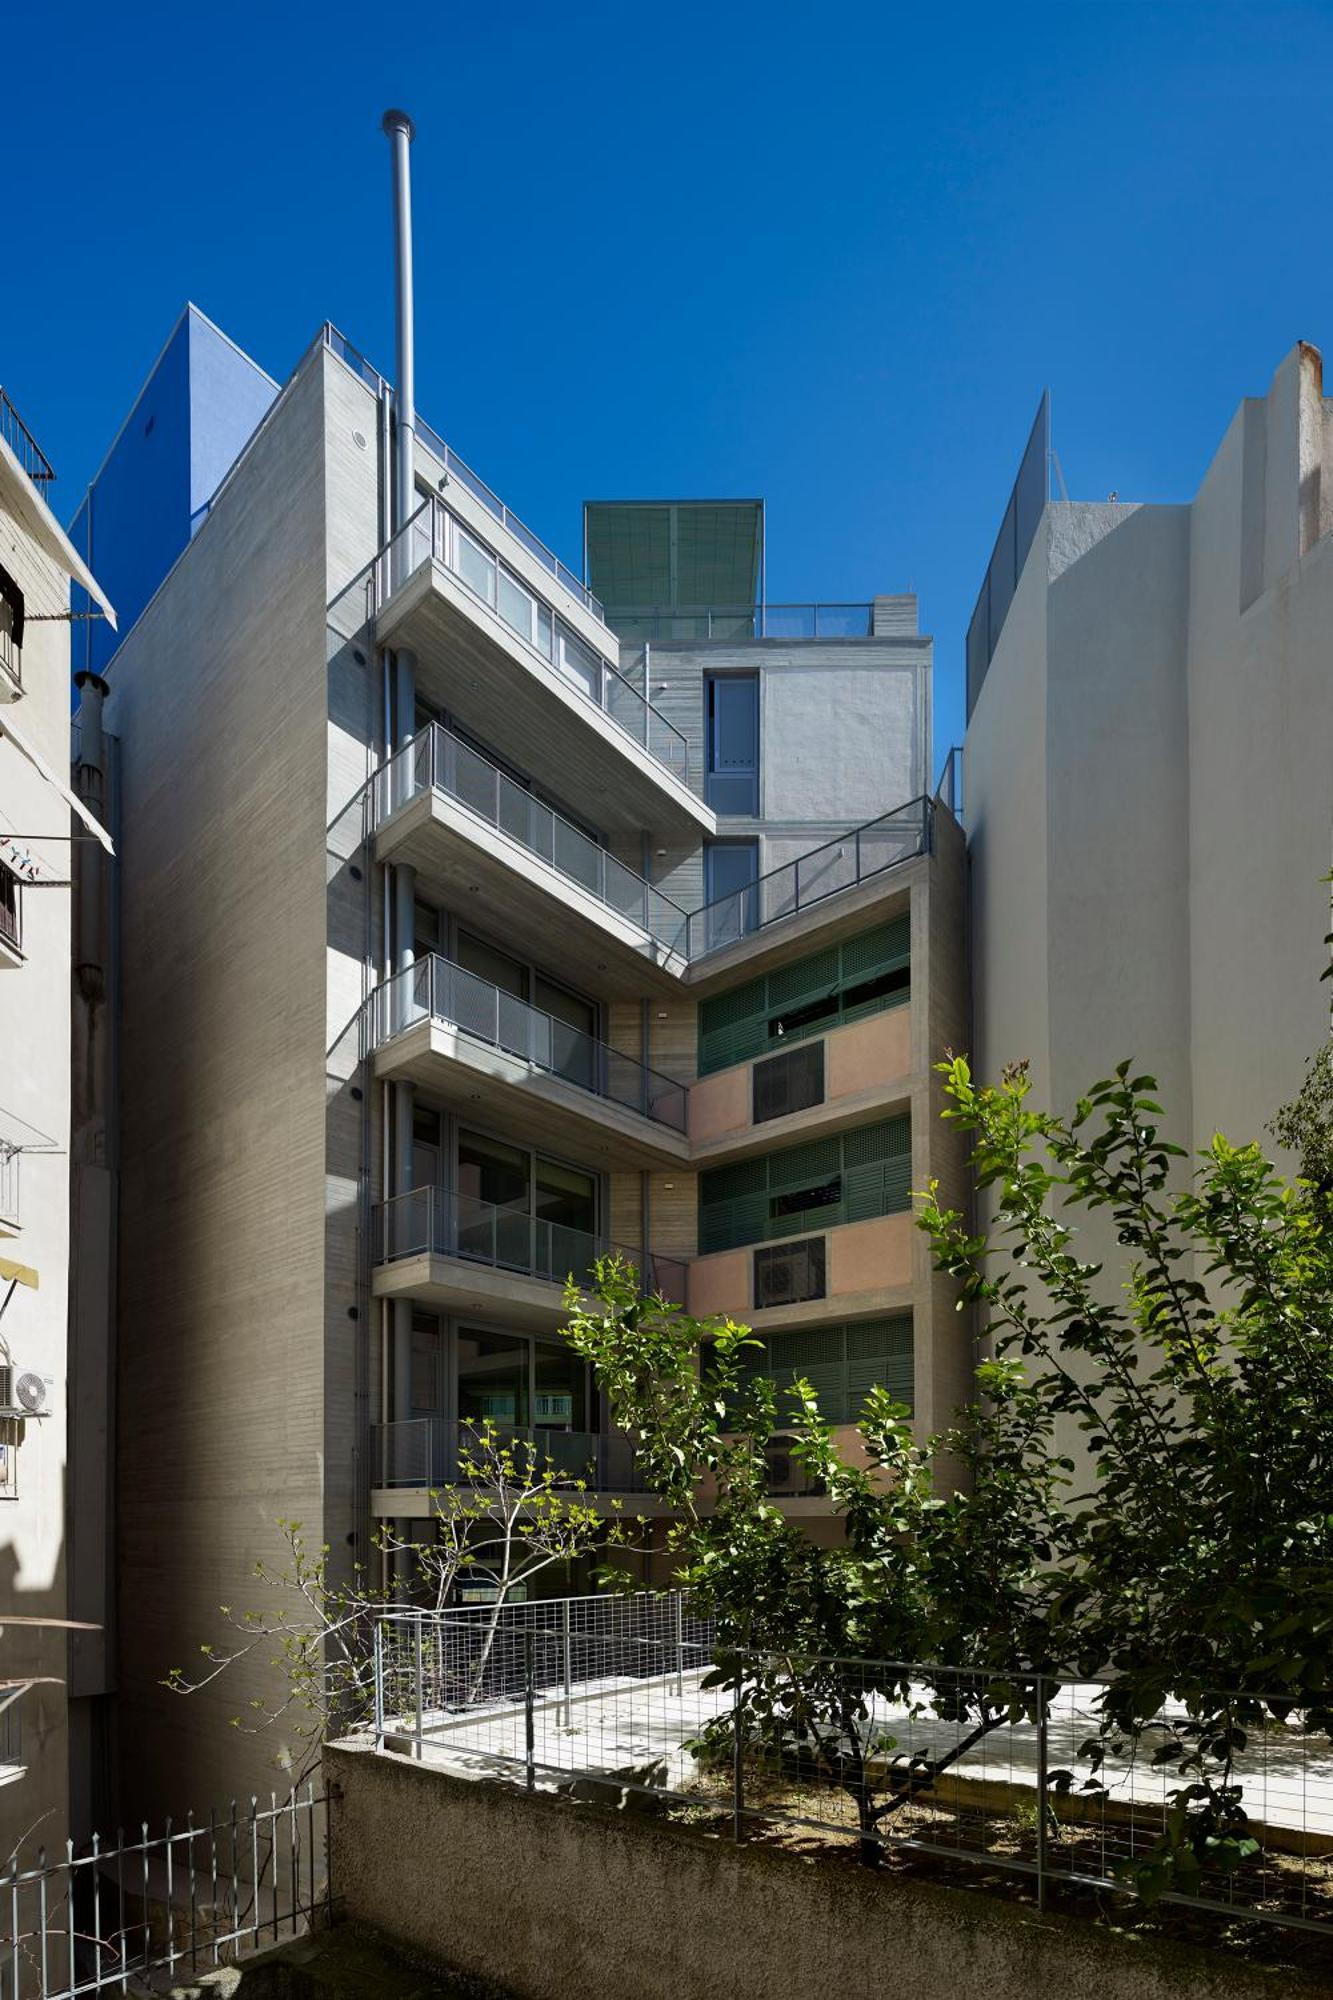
569	718
478	1050
469	829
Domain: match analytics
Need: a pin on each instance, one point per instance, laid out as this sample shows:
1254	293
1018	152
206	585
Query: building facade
39	820
1148	749
434	986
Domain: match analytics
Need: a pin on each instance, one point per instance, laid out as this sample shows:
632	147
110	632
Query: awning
18	1274
21	499
9	728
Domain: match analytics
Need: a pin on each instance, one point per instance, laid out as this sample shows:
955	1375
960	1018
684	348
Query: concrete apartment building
39	818
1148	750
461	939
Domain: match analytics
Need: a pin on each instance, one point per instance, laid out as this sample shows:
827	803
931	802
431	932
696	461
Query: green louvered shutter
885	949
879	1351
733	1027
817	1353
812	1165
877	1169
733	1205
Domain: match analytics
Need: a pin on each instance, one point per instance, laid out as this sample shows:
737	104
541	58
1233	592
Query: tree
1190	1558
510	1515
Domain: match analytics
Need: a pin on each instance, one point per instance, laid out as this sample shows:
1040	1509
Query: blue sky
827	255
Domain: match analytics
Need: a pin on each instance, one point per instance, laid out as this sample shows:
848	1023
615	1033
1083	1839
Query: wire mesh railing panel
142	1912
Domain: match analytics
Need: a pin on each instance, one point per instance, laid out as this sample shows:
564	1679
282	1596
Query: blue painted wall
191	419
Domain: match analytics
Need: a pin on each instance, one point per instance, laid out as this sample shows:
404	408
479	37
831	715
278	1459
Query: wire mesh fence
984	1769
138	1913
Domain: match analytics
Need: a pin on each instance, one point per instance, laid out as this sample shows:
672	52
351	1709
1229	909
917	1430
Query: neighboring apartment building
37	563
424	1004
1148	752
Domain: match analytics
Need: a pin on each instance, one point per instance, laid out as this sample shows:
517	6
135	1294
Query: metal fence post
680	1646
420	1680
569	1695
379	1684
1042	1806
529	1739
737	1771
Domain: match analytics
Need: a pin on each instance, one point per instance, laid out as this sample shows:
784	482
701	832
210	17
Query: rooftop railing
438	761
682	623
435	534
458	469
436	989
23	444
841	863
432	1221
433	1452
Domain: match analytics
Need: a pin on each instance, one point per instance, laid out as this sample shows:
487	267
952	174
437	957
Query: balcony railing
435	534
10	1157
841	863
713	622
431	1220
436	989
23	444
431	1452
437	760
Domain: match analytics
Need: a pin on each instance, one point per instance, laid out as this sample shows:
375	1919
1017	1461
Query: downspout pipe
401	132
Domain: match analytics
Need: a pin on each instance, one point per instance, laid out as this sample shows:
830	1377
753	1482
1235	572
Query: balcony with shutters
475	1048
468	827
493	635
811	1233
459	1255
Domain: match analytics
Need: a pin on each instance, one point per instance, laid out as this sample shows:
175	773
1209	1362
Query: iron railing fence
435	1452
683	624
435	534
23	444
138	1913
437	989
841	863
978	1767
432	1221
439	761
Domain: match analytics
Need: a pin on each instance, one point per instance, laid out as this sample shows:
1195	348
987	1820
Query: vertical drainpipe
400	131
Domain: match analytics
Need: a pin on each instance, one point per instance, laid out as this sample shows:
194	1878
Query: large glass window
732	737
491	1171
731	867
427	1373
493	1377
488	962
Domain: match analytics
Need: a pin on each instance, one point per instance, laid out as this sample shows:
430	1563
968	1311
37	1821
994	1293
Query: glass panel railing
711	623
432	1221
434	532
432	1452
437	760
850	858
437	989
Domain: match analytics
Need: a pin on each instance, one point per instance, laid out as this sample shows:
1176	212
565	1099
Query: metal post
1042	1799
400	132
569	1719
379	1684
529	1737
680	1646
737	1771
420	1678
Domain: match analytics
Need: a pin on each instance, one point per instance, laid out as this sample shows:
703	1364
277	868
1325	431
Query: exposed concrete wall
560	1902
218	697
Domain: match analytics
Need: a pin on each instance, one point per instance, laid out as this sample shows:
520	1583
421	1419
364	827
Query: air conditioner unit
23	1392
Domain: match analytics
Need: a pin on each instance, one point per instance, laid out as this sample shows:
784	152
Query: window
847	982
11	624
787	1275
731	868
851	1177
11	925
786	1083
842	1364
731	783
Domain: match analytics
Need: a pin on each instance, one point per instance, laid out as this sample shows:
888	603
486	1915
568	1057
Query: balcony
421	1455
481	1050
460	1255
466	826
488	642
711	624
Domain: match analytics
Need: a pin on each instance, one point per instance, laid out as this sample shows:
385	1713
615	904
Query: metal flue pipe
401	131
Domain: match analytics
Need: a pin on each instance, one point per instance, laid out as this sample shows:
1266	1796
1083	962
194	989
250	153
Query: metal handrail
841	863
23	444
435	533
436	988
684	623
433	1451
433	1220
438	760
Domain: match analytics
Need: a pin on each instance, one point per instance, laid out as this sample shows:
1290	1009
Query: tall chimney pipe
401	131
